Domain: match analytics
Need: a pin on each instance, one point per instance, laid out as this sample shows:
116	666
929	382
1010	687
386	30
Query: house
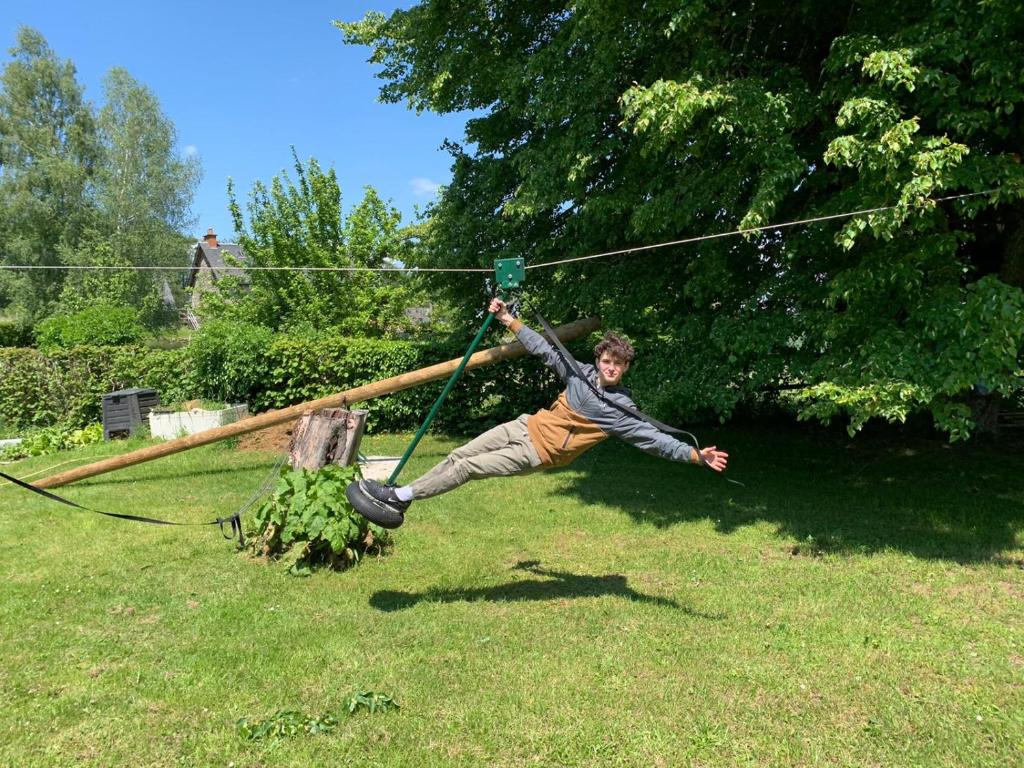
420	315
211	260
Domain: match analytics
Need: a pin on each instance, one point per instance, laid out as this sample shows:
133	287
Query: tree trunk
985	409
1011	271
331	436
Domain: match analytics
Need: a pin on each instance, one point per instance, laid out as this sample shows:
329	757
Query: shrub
98	325
298	370
229	358
51	440
308	517
14	333
304	369
66	386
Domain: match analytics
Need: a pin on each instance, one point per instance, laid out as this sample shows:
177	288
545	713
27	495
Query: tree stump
331	436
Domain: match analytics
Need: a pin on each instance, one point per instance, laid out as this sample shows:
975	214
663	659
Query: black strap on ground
575	367
235	521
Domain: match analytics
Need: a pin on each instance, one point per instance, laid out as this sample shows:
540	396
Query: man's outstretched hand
715	459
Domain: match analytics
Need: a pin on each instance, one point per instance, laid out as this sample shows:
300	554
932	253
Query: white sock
404	493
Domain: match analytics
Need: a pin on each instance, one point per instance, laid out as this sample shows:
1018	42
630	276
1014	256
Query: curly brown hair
616	346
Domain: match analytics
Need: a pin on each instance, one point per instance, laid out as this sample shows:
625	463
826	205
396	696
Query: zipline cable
142	268
415	270
748	230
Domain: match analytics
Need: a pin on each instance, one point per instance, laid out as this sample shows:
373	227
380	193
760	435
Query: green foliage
370	701
66	386
286	722
86	289
308	517
291	722
49	440
304	369
79	187
143	187
48	146
933	364
97	325
237	362
301	223
602	127
230	359
14	333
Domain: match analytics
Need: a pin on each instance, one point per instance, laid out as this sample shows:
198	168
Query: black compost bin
125	411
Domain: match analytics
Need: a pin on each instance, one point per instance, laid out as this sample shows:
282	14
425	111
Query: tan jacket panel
560	434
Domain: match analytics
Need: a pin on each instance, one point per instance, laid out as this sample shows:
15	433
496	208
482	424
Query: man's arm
535	343
651	440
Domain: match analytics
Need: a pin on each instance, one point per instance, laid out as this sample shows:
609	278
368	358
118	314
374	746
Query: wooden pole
340	400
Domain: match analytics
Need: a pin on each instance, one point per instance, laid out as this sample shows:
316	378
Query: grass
171	337
855	604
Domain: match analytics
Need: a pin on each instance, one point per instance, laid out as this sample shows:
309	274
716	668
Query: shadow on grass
830	494
557	585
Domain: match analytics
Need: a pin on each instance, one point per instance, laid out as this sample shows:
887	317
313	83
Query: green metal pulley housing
509	273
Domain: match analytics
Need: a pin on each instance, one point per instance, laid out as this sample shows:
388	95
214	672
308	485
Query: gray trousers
504	450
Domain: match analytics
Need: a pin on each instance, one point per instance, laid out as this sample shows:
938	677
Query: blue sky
243	82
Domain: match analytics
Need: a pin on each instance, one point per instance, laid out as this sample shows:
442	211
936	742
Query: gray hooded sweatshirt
579	419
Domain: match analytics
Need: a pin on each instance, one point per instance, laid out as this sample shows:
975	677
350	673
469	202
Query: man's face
610	369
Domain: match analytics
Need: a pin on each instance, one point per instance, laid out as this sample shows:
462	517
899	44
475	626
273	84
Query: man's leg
499	452
492	440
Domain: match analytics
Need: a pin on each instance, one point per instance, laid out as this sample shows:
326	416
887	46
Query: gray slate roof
215	258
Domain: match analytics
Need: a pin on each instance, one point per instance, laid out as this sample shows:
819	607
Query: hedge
101	324
66	386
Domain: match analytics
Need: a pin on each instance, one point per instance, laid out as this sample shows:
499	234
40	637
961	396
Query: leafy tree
144	187
605	125
142	191
48	152
79	188
301	224
136	290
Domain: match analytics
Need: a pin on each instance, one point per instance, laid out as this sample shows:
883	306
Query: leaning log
340	400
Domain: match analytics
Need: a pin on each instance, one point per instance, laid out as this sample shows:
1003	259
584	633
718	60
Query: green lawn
855	604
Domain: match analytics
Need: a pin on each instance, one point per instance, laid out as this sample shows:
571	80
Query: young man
579	419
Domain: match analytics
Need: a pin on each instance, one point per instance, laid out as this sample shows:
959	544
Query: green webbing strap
444	393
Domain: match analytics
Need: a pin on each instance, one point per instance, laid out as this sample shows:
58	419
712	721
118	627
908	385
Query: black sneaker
384	493
387	512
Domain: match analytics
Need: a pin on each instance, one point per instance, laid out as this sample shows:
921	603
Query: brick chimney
210	238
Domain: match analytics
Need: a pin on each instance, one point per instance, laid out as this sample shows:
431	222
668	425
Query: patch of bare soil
274	439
